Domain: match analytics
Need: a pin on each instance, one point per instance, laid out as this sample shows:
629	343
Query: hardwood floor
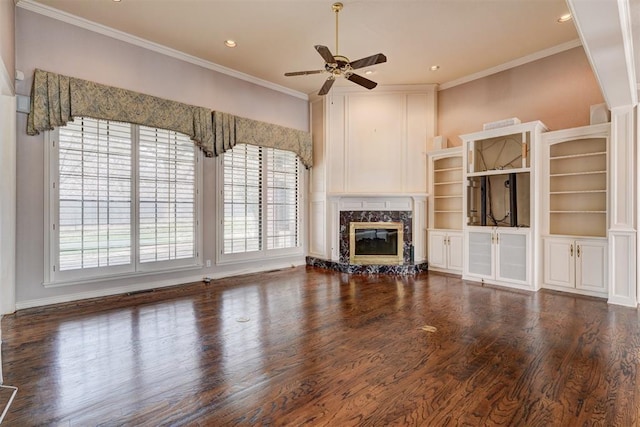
306	346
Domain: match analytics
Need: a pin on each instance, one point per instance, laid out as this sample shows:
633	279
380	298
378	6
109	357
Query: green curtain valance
56	99
230	130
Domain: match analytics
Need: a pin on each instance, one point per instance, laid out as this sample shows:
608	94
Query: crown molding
512	64
68	18
7	86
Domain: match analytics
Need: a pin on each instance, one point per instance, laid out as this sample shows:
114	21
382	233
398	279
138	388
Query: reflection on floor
307	345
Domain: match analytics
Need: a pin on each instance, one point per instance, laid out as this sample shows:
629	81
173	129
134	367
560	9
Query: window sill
112	277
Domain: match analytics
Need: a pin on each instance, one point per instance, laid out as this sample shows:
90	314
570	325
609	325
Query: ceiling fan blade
303	73
326	54
362	81
378	58
327	86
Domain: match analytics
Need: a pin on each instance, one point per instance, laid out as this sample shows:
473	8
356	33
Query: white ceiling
463	37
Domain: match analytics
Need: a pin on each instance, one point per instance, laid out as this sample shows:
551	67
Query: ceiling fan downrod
337	7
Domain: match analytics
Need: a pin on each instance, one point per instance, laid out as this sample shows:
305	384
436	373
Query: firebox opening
376	242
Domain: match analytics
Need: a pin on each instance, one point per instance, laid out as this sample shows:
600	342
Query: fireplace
393	219
376	243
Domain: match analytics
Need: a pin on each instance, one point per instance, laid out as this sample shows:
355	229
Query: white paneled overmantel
376	141
369	149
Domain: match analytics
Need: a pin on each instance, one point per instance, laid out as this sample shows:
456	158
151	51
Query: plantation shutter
282	199
167	186
242	170
94	161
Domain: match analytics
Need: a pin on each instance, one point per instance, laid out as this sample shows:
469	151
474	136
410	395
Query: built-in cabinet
498	256
578	264
445	210
574	169
445	250
499	204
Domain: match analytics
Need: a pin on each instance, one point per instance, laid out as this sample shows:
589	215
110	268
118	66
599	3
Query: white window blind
261	194
123	199
242	168
166	182
282	199
94	194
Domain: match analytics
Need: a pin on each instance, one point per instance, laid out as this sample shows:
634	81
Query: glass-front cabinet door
480	254
512	256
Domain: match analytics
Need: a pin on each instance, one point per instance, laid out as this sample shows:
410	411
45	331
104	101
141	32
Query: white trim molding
98	293
604	28
8	204
622	232
622	268
512	64
68	18
7	86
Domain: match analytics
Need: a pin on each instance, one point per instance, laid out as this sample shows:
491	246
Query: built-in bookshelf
447	190
445	210
578	187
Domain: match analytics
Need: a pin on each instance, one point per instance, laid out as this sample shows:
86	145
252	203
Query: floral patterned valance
230	130
56	99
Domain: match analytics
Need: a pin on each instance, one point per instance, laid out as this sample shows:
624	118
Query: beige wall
84	54
7	45
557	90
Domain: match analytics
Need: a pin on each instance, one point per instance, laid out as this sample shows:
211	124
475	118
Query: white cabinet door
480	254
512	257
590	265
559	265
437	249
456	249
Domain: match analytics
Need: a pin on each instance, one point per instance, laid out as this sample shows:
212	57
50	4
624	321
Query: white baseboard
20	305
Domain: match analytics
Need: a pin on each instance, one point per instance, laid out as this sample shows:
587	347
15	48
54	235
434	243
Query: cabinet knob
578	250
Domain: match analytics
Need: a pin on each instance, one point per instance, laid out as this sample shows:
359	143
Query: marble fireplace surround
347	217
409	209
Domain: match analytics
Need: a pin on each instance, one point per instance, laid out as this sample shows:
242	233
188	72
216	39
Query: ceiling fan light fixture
339	65
230	43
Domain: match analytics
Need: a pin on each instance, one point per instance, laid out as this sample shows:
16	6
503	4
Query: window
123	199
261	200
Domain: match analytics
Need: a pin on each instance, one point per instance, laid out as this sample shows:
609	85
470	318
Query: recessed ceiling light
434	67
116	1
564	18
230	43
368	72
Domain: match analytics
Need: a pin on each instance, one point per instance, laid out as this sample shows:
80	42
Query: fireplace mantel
416	203
372	201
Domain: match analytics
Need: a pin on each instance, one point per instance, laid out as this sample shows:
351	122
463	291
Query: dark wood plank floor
307	346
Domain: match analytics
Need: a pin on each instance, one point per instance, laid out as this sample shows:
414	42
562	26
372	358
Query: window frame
135	268
263	253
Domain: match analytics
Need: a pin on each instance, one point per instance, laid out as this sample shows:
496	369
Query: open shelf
447	169
577	199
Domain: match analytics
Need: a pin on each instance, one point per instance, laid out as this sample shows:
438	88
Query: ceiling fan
338	65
